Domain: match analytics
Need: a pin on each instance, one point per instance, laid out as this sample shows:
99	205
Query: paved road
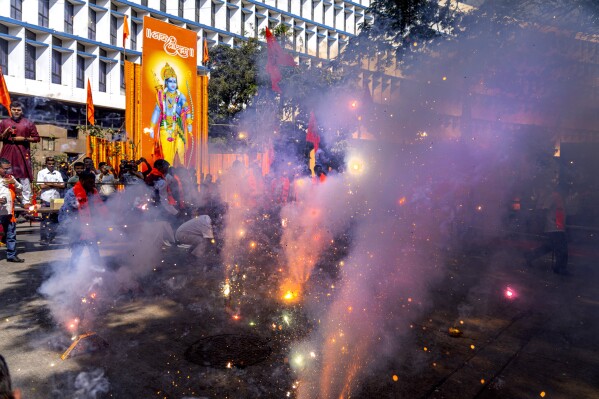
542	341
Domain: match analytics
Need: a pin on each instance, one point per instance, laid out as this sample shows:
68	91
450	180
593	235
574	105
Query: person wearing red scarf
81	204
9	187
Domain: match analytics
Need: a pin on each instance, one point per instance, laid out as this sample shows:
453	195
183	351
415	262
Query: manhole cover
228	350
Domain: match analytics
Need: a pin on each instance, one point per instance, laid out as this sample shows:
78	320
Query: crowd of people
166	195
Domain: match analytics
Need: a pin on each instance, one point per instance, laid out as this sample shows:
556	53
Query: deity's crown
168	72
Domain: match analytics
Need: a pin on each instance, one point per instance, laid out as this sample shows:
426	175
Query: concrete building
49	49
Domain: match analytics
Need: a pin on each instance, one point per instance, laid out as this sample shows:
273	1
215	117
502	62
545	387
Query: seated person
194	233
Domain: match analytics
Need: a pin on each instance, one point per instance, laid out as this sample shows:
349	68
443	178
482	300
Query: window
43	10
48	144
113	30
133	36
16	9
80	72
56	67
102	80
212	14
144	3
30	55
163	5
181	5
69	13
4	56
197	10
122	64
228	26
314	2
91	28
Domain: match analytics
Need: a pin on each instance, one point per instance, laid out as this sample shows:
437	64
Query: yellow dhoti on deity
172	141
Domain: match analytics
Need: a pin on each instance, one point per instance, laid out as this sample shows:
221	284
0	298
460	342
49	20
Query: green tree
233	80
396	26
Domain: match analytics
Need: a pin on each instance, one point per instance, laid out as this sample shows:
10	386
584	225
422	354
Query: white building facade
50	48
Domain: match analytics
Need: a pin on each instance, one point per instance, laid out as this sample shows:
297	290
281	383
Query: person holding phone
17	133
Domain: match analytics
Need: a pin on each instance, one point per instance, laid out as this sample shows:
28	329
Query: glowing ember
73	324
542	394
290	292
402	201
510	293
236	317
226	289
395	378
288	296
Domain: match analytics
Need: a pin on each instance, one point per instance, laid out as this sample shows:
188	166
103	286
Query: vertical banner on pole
203	161
168	94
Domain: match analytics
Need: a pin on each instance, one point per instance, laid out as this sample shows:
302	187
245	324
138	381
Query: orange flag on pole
206	56
125	30
4	94
90	105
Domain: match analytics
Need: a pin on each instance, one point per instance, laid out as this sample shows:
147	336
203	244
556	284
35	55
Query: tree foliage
566	14
233	80
396	26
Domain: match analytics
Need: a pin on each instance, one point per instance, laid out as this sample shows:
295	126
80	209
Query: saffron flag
276	57
312	135
90	105
125	30
4	94
205	56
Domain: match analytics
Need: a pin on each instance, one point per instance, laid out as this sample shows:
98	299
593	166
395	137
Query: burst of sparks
226	289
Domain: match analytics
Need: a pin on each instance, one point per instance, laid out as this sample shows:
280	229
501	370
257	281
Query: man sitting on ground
195	234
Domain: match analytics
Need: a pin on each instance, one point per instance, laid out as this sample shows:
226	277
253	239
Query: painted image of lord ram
172	120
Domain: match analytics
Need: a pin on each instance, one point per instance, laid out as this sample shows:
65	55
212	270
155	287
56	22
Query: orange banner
168	94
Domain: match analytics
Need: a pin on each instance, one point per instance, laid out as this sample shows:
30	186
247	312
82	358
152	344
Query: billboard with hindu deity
168	93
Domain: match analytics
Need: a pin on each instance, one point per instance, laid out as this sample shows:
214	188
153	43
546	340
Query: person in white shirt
9	187
50	181
194	233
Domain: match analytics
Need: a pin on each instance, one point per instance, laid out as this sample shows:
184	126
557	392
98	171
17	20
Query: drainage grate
229	350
